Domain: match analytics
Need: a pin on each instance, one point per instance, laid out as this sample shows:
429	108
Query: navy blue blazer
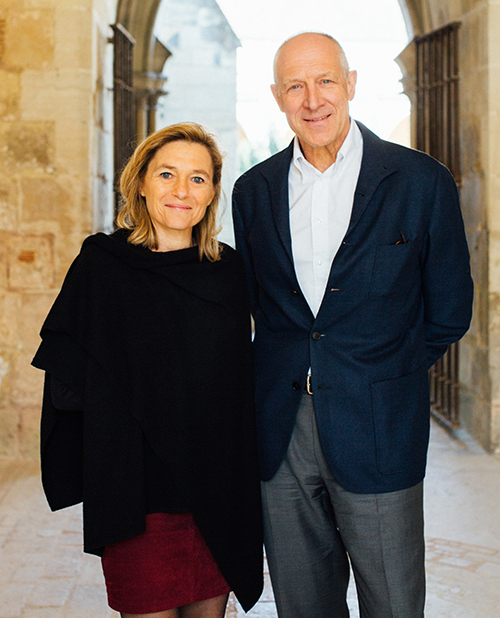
389	311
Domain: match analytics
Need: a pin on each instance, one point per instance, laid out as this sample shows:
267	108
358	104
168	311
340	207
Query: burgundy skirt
167	566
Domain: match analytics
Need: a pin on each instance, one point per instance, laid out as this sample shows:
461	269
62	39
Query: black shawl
156	345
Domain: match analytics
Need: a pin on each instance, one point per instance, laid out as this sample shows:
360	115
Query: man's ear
352	78
276	95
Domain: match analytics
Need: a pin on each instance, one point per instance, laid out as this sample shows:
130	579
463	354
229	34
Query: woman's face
178	188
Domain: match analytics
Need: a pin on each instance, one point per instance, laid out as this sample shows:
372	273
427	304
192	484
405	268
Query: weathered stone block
9	200
10	92
52	95
470	5
472	200
31	262
73	29
475	413
27	382
5	364
9	432
494	269
66	251
45	199
29	443
10	305
34	310
27	145
4	243
480	373
29	39
49	4
73	143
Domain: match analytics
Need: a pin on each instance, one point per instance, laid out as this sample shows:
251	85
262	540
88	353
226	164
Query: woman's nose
181	188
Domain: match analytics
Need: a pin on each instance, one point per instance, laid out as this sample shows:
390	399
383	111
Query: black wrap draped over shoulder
156	346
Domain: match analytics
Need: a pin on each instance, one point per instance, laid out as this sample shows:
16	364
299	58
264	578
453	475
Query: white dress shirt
320	211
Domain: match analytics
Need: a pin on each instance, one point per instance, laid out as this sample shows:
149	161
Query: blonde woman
148	403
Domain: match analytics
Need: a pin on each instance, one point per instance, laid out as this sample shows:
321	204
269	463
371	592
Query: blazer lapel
277	179
373	170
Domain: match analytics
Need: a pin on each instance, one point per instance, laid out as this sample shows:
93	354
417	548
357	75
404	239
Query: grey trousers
313	527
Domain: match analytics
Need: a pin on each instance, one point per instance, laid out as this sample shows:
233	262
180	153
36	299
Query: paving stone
63	567
27	574
88	602
490	569
50	593
12	599
91	574
43	612
45	574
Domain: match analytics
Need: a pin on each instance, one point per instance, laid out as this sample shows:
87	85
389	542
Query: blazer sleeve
446	278
242	216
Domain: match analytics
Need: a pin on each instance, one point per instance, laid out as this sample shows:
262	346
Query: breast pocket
395	269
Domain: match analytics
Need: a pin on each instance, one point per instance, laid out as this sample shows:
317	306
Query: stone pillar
407	62
479	138
148	88
53	123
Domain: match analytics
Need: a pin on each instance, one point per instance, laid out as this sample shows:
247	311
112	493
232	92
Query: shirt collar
352	141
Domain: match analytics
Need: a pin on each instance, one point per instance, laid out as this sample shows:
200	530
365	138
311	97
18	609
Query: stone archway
138	17
150	55
480	160
56	179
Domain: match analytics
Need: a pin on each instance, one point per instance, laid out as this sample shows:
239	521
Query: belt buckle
308	385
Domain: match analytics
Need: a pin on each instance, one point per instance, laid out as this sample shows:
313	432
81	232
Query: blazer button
316	335
296	386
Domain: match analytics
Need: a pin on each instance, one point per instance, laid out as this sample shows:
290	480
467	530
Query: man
359	277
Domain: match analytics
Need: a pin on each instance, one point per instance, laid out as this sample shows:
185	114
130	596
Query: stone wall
480	161
56	183
476	376
54	128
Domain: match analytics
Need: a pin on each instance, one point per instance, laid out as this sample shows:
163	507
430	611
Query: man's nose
313	98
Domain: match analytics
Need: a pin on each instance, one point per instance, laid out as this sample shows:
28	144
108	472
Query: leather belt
308	385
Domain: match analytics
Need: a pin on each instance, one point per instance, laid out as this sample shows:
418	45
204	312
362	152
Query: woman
147	414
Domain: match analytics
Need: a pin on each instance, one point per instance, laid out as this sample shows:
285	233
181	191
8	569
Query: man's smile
317	119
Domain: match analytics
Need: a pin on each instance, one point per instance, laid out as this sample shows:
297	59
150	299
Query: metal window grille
124	112
437	134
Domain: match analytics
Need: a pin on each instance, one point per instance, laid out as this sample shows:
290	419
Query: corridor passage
44	574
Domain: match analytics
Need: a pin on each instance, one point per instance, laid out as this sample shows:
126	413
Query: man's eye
295	87
166	175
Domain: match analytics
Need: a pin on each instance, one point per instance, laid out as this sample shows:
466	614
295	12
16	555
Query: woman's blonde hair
134	215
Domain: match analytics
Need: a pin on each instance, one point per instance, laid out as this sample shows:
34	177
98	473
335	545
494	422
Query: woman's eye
198	180
166	175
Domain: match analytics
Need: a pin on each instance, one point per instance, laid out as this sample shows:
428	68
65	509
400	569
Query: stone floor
44	574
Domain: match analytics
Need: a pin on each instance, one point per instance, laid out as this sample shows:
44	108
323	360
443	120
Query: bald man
359	276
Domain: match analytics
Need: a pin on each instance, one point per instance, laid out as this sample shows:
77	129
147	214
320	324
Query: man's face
313	91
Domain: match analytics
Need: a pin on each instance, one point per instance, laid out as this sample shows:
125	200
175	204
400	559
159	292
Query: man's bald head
302	38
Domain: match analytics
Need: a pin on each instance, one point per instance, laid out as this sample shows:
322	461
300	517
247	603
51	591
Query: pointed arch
416	14
138	17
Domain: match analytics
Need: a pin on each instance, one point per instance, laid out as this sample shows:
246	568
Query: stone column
407	62
148	88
